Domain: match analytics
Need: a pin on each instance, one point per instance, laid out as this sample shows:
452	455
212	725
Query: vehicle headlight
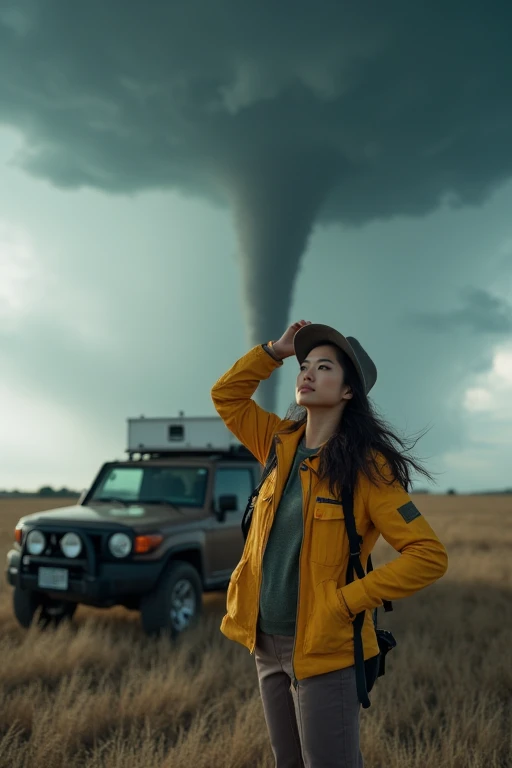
120	544
36	542
71	544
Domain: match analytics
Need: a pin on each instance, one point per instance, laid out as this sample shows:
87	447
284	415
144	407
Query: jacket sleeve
232	397
423	558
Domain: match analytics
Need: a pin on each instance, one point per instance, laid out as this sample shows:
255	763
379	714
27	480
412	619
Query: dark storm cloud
482	313
290	112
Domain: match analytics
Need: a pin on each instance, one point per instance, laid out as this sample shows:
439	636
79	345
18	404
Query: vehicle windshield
179	486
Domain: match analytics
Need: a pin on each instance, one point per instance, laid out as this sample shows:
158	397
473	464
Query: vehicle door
224	540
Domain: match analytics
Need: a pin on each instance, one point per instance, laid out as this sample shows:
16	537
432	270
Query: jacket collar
289	443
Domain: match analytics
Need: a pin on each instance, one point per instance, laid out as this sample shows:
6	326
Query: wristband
268	348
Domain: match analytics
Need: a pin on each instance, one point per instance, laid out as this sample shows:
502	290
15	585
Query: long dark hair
361	433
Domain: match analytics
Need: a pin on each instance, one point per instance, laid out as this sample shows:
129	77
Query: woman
288	601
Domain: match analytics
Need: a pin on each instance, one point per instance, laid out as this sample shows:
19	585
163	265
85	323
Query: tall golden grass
99	694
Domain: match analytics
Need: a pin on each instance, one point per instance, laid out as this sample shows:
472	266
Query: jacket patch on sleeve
409	512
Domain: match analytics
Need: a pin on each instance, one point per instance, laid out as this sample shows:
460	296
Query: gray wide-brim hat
309	336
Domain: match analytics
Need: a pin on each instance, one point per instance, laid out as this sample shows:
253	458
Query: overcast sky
166	203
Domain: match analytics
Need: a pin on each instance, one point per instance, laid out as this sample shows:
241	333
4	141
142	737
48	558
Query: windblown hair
360	435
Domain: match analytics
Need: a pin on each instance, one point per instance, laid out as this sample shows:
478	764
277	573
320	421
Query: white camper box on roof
183	434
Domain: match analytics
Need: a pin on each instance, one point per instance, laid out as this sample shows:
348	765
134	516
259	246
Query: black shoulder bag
269	466
367	671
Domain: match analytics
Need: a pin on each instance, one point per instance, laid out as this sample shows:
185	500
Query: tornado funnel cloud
275	206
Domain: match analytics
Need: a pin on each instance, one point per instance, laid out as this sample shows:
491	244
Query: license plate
53	578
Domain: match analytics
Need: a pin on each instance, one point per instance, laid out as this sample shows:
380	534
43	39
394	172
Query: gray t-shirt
280	580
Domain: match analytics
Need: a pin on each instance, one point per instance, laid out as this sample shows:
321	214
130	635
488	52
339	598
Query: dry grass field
99	694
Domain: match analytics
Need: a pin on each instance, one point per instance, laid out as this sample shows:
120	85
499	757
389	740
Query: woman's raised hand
283	347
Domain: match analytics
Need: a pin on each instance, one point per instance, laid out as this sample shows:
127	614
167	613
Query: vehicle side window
233	481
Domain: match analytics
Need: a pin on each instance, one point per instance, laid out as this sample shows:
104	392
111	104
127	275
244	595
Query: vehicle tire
29	606
175	604
25	603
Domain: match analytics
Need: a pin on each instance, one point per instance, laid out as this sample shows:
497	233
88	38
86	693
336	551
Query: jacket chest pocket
328	532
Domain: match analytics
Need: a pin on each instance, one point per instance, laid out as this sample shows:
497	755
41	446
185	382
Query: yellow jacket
324	632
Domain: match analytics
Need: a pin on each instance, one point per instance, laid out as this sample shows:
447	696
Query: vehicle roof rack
232	453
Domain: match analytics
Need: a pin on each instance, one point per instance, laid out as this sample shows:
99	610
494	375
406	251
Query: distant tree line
453	492
46	491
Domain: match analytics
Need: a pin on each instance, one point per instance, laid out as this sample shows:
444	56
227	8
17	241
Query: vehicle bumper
114	582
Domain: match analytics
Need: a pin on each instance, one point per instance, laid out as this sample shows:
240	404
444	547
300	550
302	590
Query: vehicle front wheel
175	604
25	604
29	606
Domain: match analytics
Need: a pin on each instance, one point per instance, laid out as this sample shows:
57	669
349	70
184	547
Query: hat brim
310	335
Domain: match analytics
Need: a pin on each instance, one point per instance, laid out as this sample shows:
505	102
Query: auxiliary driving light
71	544
36	542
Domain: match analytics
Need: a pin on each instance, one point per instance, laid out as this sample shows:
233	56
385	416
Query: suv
152	533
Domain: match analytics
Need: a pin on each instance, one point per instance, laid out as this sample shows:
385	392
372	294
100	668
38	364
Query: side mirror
227	503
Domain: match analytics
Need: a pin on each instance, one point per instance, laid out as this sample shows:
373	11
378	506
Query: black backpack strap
269	466
354	564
